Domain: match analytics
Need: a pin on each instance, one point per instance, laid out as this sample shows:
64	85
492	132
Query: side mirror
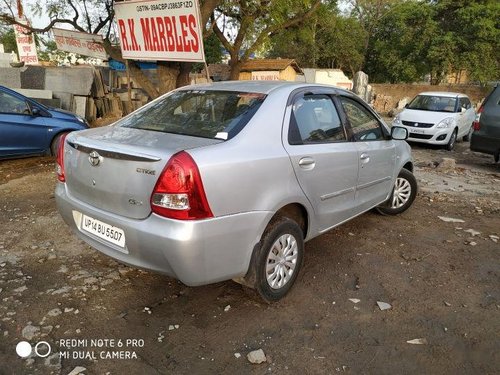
398	133
35	111
462	109
406	105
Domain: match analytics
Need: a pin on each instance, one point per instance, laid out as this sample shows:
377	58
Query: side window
465	103
365	126
315	120
11	104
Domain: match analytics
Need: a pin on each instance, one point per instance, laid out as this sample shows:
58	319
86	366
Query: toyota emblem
416	124
94	158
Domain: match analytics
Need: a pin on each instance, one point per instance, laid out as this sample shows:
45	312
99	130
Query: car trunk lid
115	168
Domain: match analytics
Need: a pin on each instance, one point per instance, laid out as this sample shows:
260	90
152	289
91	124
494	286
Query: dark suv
486	136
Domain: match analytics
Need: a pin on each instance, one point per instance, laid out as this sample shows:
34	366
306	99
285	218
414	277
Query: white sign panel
80	43
266	75
160	30
25	44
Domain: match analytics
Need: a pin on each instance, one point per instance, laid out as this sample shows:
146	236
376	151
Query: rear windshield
207	114
433	103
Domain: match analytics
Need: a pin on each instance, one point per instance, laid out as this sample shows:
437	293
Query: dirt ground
442	282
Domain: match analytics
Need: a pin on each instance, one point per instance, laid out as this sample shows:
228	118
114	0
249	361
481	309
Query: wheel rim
452	139
402	192
282	261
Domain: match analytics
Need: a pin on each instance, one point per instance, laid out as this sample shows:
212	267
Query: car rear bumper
194	252
483	143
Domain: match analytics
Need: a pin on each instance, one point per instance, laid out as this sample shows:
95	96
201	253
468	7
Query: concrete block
33	77
66	99
10	77
79	105
77	80
36	94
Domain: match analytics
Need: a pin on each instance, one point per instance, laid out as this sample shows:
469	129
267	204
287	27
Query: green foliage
213	49
8	39
328	40
415	38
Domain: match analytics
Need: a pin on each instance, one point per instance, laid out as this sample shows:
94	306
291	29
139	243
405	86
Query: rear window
433	103
207	114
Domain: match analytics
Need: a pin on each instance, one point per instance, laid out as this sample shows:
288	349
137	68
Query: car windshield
433	103
199	113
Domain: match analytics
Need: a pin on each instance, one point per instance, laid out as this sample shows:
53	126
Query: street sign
160	30
25	43
81	43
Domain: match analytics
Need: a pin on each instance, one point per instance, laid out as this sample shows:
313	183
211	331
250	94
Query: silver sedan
227	181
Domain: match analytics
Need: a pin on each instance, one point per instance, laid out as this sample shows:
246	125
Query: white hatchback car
438	118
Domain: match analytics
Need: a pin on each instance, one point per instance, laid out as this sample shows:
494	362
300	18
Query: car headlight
448	122
397	120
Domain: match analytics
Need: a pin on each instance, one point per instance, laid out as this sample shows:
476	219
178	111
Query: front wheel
403	194
277	260
451	143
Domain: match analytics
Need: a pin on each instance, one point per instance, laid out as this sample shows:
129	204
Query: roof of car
443	93
262	87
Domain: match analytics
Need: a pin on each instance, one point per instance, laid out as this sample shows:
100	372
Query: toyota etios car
227	181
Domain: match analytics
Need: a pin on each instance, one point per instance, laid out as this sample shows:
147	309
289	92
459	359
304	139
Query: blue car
30	128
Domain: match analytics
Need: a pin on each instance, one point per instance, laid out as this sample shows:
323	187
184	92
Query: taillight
475	123
60	158
179	192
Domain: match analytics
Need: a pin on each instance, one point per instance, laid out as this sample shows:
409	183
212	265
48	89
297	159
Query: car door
324	161
20	132
466	117
376	154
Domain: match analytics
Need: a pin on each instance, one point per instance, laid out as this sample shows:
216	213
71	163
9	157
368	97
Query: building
269	70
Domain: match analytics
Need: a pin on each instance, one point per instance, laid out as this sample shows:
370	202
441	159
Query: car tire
468	136
451	143
403	194
277	260
55	144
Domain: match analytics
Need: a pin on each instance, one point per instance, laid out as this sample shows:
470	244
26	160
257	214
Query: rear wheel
55	144
451	143
277	260
403	194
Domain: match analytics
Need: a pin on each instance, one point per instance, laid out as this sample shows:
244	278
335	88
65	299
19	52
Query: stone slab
33	78
77	80
10	77
36	94
66	99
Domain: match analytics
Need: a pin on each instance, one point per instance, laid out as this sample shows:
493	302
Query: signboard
160	30
25	44
80	43
266	75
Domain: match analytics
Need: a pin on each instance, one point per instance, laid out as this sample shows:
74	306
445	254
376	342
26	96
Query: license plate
102	230
417	131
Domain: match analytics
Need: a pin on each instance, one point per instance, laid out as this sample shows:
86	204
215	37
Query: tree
8	39
96	17
254	22
326	40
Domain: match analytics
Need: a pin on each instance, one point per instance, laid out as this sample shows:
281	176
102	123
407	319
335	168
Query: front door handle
365	158
307	162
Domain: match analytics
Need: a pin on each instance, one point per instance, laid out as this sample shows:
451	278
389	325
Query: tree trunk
235	69
183	78
168	71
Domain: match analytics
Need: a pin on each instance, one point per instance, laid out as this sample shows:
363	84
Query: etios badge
94	159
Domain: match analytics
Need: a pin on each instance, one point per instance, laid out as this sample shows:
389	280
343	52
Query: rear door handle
307	162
